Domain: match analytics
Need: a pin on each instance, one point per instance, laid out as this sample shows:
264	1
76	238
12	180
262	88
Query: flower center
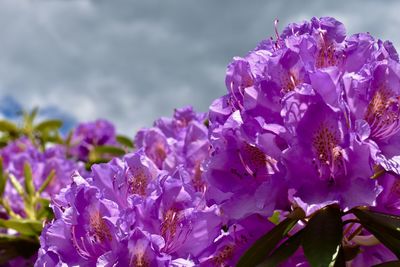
99	228
289	81
225	254
382	114
137	182
254	160
329	155
92	243
175	229
327	54
157	153
139	260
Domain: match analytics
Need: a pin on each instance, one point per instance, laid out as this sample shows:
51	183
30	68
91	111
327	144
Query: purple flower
84	228
326	163
88	135
228	248
122	180
181	140
20	152
243	170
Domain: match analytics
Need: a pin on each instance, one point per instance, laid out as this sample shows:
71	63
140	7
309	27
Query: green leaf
89	165
44	211
340	260
17	185
351	251
264	245
14	246
29	187
23	226
6	126
33	114
385	227
3	178
284	251
388	264
322	236
101	152
46	182
207	123
49	125
275	217
125	141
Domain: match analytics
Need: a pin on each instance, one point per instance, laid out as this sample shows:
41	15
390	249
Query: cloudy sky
133	61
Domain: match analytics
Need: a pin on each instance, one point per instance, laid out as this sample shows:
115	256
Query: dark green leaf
264	245
284	251
23	226
388	264
14	246
88	165
49	125
207	123
385	227
125	141
340	260
350	252
322	236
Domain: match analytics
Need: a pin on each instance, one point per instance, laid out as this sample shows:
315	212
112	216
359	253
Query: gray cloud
133	61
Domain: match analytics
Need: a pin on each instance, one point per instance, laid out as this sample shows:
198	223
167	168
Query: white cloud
133	61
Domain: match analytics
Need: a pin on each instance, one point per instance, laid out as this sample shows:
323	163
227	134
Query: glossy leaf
322	236
385	227
388	264
284	251
264	245
350	252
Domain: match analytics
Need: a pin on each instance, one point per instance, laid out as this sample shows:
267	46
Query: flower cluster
146	209
310	119
310	122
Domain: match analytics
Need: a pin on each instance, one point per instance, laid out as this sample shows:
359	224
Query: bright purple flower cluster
316	108
147	210
310	119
